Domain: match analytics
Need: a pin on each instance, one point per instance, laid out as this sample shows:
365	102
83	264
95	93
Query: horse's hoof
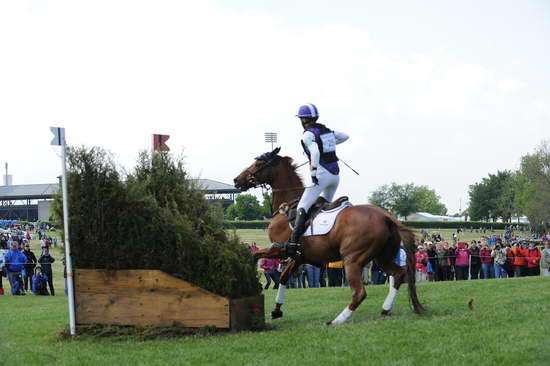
276	314
385	312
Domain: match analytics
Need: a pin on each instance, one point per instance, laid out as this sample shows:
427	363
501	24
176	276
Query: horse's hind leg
358	293
397	276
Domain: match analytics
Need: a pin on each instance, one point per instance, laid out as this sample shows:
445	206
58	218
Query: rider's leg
308	198
298	226
331	185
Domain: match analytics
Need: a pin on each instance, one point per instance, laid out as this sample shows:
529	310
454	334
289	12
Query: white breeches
328	183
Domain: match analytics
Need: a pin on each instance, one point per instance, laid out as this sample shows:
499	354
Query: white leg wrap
281	295
388	303
344	315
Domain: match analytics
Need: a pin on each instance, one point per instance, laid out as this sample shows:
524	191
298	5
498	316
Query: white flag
59	136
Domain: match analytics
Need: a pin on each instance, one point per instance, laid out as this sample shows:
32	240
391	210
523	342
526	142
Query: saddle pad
324	221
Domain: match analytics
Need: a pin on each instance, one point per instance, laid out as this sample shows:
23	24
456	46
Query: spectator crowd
489	257
494	256
19	264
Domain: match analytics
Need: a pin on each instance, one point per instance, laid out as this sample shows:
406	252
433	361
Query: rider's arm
340	137
309	141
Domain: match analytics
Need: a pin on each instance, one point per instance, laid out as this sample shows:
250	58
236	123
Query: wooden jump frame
155	298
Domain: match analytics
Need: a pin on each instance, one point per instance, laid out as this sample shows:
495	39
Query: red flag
159	142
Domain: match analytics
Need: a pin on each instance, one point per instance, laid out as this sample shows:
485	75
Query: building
217	192
29	202
32	202
424	216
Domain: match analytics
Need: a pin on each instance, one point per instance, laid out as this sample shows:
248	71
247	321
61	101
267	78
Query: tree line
504	195
508	194
404	199
247	207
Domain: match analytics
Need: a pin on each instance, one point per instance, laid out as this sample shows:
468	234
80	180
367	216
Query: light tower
271	137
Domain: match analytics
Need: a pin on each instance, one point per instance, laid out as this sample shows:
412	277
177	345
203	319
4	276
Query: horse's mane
273	158
294	167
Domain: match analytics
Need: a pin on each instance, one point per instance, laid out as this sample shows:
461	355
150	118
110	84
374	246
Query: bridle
253	181
251	177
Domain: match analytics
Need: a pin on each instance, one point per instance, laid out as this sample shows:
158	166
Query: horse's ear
276	151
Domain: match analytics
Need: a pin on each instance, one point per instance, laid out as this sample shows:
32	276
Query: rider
319	143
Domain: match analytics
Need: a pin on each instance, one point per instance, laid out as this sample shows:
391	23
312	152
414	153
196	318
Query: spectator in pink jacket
486	261
462	262
270	272
421	264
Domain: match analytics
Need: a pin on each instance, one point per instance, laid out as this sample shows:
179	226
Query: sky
436	93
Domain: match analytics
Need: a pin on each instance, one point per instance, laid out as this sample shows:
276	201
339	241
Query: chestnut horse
360	234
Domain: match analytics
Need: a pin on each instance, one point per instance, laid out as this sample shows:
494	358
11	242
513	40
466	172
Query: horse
360	234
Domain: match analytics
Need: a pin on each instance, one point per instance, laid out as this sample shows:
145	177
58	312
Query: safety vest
324	137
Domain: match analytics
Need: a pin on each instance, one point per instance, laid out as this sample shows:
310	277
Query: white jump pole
60	140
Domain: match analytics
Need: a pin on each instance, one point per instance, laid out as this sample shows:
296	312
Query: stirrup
293	250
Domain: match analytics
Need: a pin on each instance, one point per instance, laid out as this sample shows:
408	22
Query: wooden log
146	297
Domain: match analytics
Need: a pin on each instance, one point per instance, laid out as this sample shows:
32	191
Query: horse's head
260	172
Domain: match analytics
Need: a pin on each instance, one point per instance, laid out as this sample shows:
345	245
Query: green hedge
254	224
151	218
263	224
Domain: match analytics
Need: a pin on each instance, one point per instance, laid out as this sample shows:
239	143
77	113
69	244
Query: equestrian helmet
308	110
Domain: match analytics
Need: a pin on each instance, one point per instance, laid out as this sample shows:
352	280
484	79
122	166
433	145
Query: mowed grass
250	236
260	236
509	325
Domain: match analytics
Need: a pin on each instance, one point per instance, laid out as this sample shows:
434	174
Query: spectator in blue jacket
39	283
15	263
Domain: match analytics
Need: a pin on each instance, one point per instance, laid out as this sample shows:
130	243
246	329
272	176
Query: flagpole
68	262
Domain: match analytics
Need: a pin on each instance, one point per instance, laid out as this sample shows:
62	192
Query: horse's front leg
280	299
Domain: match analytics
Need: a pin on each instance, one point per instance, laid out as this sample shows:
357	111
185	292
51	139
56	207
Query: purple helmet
308	110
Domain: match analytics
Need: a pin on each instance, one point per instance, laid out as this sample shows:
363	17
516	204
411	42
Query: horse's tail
407	237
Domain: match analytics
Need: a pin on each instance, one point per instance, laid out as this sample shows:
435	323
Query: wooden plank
145	297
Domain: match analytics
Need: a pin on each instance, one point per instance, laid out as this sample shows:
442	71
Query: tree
480	202
507	190
231	212
246	207
493	197
266	205
382	198
405	200
535	181
428	201
402	200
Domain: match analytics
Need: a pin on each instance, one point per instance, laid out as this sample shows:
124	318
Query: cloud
216	79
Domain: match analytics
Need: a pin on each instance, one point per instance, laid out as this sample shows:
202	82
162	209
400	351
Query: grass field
509	325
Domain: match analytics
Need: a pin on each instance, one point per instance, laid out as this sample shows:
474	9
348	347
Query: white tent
424	216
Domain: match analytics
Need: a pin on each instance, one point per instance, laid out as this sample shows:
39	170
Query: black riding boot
299	229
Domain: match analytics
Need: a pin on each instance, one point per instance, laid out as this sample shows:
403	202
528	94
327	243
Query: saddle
288	209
